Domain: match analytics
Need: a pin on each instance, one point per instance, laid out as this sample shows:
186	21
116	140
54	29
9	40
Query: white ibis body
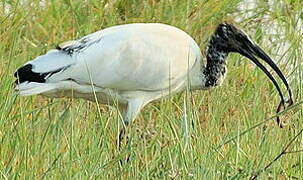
131	65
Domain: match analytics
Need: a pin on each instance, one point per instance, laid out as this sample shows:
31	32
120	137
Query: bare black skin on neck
227	38
216	54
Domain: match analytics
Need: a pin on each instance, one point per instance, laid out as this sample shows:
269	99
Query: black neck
216	65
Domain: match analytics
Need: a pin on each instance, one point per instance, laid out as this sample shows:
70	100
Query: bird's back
138	57
132	57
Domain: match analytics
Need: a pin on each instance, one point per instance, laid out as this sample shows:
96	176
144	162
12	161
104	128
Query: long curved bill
250	50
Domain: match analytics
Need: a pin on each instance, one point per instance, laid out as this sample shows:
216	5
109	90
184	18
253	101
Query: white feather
133	63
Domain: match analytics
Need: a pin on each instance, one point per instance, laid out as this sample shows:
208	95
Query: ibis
131	65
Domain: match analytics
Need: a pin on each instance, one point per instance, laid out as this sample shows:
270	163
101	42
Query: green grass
227	133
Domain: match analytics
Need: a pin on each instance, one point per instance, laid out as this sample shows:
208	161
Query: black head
227	38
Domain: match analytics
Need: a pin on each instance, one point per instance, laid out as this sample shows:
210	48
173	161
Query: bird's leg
122	108
129	114
122	133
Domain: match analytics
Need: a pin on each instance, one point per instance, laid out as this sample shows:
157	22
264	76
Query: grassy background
225	133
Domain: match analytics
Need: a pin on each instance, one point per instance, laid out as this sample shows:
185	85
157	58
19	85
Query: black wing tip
25	73
23	70
58	47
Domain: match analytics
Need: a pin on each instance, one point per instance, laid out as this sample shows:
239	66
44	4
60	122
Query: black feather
25	73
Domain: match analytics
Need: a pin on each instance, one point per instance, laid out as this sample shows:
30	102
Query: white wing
125	57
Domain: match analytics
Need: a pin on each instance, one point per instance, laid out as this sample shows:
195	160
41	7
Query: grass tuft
228	132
